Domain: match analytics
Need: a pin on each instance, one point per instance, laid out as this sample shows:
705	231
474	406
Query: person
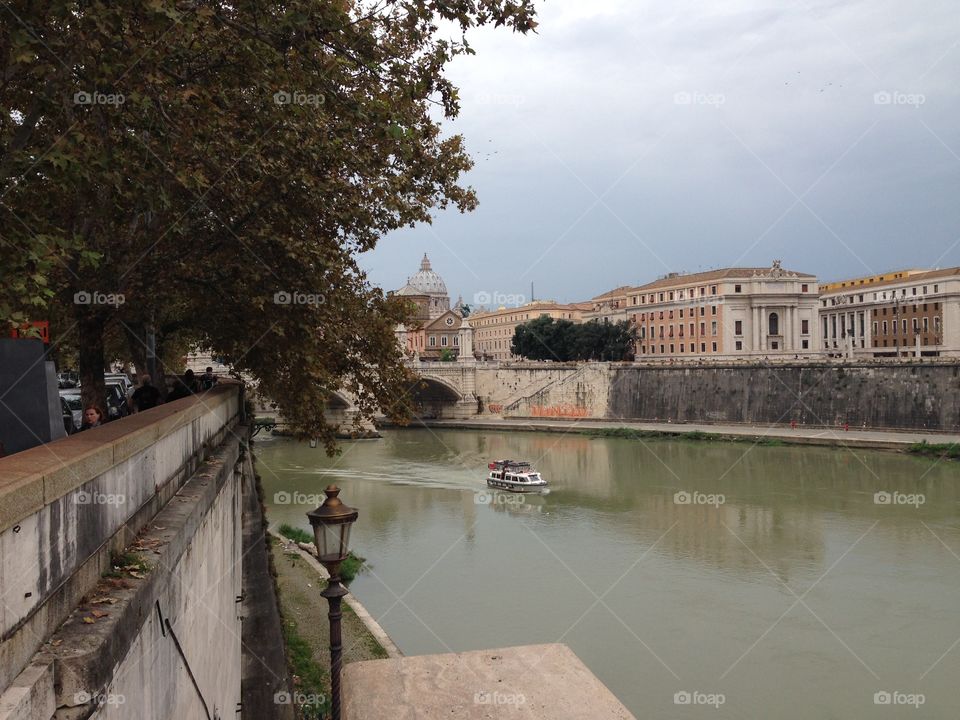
92	417
208	379
146	396
183	387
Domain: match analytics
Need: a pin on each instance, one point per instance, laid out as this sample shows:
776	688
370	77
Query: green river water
785	587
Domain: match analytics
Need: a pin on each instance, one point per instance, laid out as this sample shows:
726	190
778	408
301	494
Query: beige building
729	313
493	329
905	313
610	306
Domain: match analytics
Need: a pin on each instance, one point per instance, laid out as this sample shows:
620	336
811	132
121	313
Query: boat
514	476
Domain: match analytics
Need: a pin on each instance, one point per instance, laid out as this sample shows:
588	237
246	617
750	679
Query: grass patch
295	534
935	450
625	433
313	680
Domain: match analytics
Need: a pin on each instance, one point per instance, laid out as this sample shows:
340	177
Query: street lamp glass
331	527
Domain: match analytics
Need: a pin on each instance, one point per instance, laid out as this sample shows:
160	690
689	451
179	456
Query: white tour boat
514	476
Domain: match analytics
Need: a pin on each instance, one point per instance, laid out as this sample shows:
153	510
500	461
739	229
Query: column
755	328
788	330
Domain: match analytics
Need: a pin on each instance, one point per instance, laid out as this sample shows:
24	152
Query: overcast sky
631	138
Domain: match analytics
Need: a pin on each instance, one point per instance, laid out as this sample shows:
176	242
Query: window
904	321
691	328
671	348
703	310
703	328
661	297
433	341
874	327
682	347
739	345
681	312
804	288
926	324
774	345
804	327
671	294
661	314
703	291
913	291
713	289
456	340
773	325
443	340
703	347
936	288
713	327
924	289
713	309
738	328
805	344
661	349
714	347
916	324
671	314
737	288
884	327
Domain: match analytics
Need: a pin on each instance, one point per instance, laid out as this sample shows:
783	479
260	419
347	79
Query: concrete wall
909	396
167	478
902	396
30	411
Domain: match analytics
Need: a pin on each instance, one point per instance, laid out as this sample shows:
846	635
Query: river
695	579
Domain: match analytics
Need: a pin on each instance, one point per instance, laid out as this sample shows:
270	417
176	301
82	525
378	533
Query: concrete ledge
52	470
531	682
80	658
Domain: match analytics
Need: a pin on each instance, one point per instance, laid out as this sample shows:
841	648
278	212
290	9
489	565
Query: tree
213	169
561	340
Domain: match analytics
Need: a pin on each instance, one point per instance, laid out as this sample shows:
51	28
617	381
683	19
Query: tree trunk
91	360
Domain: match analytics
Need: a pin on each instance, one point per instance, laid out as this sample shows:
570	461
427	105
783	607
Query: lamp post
331	524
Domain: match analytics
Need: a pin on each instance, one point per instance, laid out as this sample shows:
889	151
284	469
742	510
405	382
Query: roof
426	280
894	277
676	280
622	290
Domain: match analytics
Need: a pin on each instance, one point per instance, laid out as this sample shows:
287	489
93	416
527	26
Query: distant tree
547	339
447	355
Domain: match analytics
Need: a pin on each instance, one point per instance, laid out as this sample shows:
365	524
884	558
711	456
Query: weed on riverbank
626	433
935	450
349	568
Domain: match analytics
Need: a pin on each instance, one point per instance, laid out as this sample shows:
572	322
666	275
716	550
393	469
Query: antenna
531	291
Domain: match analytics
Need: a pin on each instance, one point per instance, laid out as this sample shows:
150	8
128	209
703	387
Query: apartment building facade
493	329
906	313
726	314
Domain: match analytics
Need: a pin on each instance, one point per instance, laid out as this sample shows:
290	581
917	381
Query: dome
426	280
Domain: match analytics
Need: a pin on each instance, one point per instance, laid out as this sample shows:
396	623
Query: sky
629	138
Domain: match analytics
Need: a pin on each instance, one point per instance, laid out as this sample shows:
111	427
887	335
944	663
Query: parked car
68	380
123	378
116	400
69	425
71	398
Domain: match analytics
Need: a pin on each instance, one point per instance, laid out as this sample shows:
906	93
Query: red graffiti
558	411
494	408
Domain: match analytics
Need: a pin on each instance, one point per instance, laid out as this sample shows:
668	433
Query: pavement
801	435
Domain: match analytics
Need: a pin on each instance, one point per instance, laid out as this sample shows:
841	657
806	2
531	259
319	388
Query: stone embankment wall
159	635
913	396
908	396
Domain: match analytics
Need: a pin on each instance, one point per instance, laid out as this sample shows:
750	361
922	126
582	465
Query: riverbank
829	437
300	578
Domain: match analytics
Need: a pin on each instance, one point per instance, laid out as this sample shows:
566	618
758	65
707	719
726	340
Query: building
898	314
728	313
493	329
426	283
610	306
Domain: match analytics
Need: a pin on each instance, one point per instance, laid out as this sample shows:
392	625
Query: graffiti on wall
562	411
